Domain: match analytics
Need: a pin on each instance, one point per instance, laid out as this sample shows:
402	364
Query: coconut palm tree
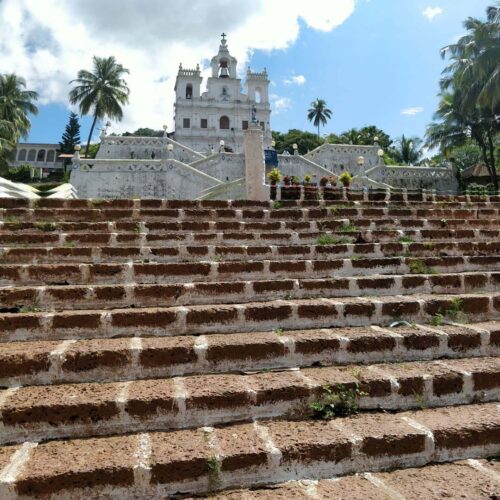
16	103
101	92
319	113
408	150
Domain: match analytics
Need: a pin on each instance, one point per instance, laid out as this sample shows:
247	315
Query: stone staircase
153	348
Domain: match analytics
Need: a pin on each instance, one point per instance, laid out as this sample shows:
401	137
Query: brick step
60	297
248	317
41	413
206	271
474	479
120	359
186	253
247	237
160	464
172	220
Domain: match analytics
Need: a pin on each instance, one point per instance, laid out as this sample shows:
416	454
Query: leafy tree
16	103
144	132
407	150
92	150
364	136
306	141
71	135
318	113
470	92
102	91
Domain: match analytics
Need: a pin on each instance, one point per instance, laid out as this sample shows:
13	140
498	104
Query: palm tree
408	150
319	113
102	91
16	103
351	136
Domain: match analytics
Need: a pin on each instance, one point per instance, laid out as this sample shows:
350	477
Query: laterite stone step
40	413
186	253
120	359
252	316
249	454
61	297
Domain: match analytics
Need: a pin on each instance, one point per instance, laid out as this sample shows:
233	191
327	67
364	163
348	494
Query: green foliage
101	92
318	113
47	226
306	141
214	471
364	136
407	150
419	267
144	132
71	135
277	205
437	319
19	174
92	149
478	189
345	178
278	331
348	227
405	239
340	401
330	239
274	176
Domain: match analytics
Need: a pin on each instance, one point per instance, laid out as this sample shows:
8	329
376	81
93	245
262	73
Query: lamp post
170	149
164	130
361	161
221	146
375	140
273	144
380	154
295	149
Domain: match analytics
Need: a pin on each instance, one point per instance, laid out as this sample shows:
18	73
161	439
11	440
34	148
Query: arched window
258	95
189	91
50	156
224	123
32	155
41	155
22	155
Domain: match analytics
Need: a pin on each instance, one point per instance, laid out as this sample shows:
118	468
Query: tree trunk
484	151
493	172
90	136
318	132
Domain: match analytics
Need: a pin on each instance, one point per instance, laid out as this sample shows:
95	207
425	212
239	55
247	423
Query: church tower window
186	123
204	123
189	91
224	123
223	69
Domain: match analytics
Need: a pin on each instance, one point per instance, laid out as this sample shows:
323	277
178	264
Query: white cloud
48	42
412	111
296	79
431	12
279	104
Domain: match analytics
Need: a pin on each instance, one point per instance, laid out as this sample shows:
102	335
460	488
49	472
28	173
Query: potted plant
274	177
346	179
287	180
329	191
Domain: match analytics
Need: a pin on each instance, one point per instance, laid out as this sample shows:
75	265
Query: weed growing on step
437	319
214	472
405	239
32	308
47	226
288	296
277	205
136	228
278	331
97	201
69	244
339	401
330	239
428	245
334	208
218	258
420	400
358	257
15	222
419	267
348	228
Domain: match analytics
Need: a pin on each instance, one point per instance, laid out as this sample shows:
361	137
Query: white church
223	112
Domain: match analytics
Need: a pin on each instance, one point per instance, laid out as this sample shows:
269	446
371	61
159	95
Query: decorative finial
223	35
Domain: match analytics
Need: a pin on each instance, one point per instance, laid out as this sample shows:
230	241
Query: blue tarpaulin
271	157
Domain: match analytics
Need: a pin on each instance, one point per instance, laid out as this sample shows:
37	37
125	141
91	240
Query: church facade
223	112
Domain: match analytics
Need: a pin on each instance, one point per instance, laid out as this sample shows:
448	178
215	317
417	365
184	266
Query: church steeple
223	64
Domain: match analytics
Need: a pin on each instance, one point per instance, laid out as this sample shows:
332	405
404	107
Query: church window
50	156
244	124
186	123
189	91
223	69
224	122
22	155
204	123
224	91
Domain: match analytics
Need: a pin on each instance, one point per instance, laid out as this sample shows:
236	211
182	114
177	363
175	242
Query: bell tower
223	64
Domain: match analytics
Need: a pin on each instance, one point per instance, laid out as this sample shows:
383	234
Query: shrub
346	179
19	174
274	176
338	402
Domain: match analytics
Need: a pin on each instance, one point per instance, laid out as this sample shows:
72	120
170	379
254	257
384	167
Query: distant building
223	112
39	155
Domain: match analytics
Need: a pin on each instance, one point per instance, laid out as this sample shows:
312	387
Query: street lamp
295	148
361	161
380	154
273	144
221	149
170	148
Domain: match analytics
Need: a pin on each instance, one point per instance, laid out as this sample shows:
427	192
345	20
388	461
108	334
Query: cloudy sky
373	61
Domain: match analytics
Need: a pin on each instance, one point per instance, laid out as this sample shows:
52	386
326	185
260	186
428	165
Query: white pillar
255	166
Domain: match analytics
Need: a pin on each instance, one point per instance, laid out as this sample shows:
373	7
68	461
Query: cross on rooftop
223	35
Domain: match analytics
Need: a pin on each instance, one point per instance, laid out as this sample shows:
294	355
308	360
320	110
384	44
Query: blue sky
383	59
